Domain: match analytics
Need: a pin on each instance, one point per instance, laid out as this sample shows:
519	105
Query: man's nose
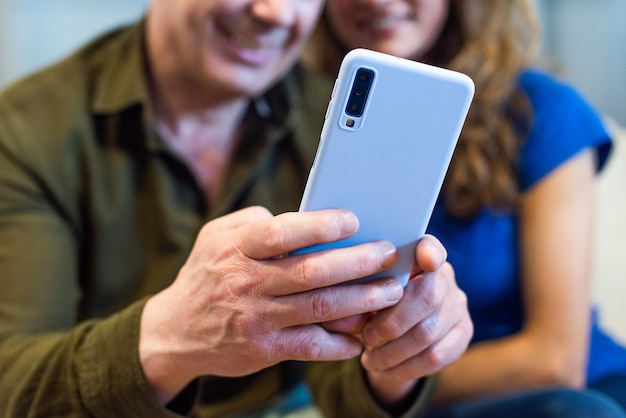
274	12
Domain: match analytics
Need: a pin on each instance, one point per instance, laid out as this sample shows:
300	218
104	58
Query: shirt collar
120	80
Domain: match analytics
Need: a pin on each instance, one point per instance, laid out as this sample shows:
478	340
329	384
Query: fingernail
387	253
348	222
393	290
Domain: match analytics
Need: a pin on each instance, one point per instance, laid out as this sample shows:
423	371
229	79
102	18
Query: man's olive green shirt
97	214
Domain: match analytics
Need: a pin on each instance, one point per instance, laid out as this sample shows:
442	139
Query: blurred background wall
584	41
34	33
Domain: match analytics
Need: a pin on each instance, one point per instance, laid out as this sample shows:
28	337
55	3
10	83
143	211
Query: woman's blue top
484	251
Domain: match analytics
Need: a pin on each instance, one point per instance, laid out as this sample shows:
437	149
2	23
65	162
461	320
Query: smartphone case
389	167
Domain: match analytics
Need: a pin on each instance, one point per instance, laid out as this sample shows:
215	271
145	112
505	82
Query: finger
351	325
430	255
421	337
423	297
313	343
290	231
300	273
431	360
333	303
410	344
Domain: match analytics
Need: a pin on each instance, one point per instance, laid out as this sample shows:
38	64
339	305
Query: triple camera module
360	89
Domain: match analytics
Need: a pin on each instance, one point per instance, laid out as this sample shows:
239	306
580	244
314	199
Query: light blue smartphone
390	131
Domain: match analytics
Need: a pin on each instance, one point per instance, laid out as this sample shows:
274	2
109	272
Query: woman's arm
555	245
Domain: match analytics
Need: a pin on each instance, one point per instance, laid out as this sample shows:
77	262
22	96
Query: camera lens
361	86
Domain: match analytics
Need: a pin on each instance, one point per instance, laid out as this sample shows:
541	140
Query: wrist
394	396
162	371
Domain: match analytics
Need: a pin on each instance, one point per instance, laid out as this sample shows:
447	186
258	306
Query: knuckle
259	211
323	305
426	332
432	295
436	357
267	351
275	236
206	232
367	264
268	318
391	329
259	347
312	272
382	361
311	349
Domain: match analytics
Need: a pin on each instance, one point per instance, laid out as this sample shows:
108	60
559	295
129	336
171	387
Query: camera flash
350	123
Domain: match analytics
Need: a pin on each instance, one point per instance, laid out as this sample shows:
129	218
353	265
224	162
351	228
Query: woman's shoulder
563	123
557	102
545	89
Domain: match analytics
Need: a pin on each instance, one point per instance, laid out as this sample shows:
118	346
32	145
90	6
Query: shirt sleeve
563	124
340	390
51	365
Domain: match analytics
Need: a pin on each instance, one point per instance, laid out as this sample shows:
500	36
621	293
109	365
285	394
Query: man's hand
426	331
238	306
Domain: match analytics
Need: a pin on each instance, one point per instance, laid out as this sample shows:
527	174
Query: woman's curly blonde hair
492	41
